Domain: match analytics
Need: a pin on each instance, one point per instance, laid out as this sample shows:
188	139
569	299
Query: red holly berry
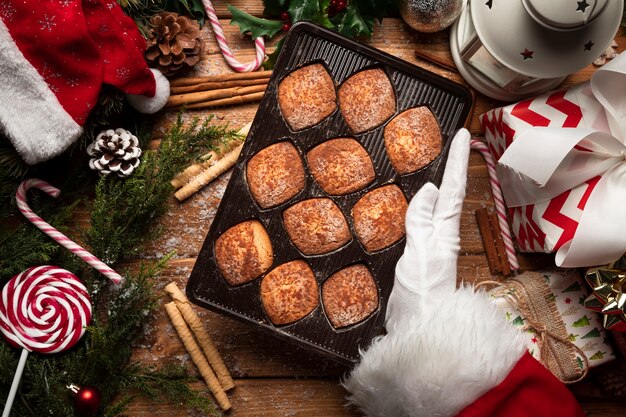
286	26
341	5
284	16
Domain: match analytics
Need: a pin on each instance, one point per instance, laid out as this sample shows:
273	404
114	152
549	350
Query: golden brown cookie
349	295
289	292
367	100
412	139
307	96
316	226
243	252
341	166
379	217
275	174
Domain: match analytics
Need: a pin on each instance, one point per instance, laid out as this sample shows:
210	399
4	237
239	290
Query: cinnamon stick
216	85
180	99
210	159
221	77
209	174
248	98
203	338
492	242
196	355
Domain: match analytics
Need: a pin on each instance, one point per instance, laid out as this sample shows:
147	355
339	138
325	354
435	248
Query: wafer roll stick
209	174
196	355
203	338
210	159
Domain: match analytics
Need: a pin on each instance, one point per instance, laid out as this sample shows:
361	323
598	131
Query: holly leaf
255	25
352	23
273	8
312	11
192	8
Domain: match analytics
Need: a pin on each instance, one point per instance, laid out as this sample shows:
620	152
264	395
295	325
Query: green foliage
125	209
357	20
123	214
270	62
255	25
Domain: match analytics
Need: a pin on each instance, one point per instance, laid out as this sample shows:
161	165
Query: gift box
562	168
549	307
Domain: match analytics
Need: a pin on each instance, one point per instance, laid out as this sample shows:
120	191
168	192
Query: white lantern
512	49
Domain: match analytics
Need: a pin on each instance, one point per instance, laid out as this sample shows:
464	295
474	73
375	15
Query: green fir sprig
123	214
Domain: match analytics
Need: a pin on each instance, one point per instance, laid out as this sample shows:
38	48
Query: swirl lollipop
43	309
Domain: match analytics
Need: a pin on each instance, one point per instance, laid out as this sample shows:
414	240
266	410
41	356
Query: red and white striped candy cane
63	240
259	44
499	200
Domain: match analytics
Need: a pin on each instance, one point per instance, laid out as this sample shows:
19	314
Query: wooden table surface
274	378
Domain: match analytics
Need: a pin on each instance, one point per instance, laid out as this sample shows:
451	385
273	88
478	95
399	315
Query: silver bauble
430	15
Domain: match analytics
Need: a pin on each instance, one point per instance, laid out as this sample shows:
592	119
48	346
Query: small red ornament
286	26
284	16
341	5
86	400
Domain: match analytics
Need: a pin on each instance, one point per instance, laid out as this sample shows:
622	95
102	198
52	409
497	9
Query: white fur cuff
149	105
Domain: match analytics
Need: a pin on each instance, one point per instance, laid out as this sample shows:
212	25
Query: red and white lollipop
43	309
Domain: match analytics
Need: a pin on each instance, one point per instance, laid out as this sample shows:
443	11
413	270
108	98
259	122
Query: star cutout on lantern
588	46
489	3
527	54
582	6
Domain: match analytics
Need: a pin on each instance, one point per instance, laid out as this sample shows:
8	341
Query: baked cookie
316	226
341	166
307	96
412	139
349	295
367	100
289	292
243	252
275	174
379	217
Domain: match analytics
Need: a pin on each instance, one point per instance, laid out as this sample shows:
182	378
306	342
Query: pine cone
174	43
114	151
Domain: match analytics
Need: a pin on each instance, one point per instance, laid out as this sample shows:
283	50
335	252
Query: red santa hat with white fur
449	352
54	57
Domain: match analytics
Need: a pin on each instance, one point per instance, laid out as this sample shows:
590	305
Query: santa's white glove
428	265
448	352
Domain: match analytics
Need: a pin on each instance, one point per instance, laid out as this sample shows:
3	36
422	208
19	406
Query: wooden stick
203	338
221	77
209	174
196	355
210	159
200	96
216	85
441	62
248	98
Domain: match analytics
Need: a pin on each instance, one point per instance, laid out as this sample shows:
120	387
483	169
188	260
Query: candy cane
499	201
259	44
43	309
54	233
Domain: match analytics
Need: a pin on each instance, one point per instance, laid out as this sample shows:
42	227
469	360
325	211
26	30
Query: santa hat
449	352
54	57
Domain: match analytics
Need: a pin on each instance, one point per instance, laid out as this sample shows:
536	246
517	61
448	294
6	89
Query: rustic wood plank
267	398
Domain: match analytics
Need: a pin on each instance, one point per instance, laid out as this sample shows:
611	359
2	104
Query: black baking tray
307	43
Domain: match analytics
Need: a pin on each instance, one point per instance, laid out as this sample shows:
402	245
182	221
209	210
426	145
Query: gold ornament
609	294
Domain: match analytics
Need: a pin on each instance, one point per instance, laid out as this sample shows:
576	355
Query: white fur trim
151	105
438	361
30	113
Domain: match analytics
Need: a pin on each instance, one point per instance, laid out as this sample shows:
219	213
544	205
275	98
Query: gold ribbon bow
609	297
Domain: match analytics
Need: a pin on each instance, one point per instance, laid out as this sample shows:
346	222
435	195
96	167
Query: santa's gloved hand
428	265
449	352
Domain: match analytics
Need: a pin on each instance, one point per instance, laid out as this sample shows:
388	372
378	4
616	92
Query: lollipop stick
16	382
